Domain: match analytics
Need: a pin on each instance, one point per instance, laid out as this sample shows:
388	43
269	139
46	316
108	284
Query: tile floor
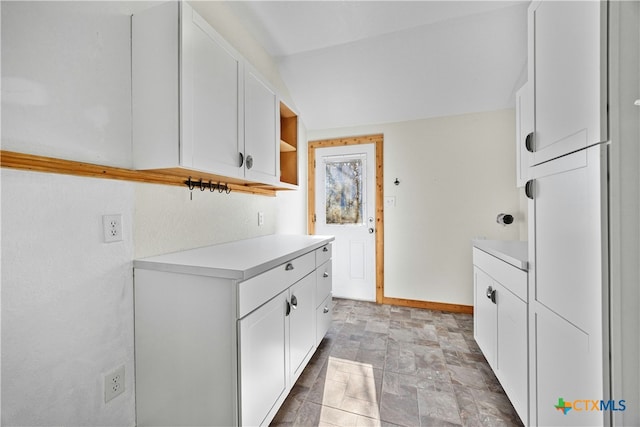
382	365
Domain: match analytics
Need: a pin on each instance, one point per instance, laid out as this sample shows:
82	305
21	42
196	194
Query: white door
345	208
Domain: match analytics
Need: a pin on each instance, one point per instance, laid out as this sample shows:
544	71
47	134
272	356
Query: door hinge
314	218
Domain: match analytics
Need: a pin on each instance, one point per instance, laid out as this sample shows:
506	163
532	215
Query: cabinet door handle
528	189
528	142
241	159
289	267
288	310
294	302
493	296
489	291
325	275
249	162
325	249
326	309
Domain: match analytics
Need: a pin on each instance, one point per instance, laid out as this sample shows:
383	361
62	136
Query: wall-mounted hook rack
212	186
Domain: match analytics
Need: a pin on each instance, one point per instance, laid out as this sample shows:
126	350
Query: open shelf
285	147
288	145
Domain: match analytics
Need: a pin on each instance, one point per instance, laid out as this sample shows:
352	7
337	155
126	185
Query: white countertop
513	252
239	260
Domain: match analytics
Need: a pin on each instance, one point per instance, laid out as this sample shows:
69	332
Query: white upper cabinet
568	63
197	103
261	114
187	83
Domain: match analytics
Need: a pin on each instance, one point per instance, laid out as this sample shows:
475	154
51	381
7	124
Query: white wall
67	313
456	175
67	305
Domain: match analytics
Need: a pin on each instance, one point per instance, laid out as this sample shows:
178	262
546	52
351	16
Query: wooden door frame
377	140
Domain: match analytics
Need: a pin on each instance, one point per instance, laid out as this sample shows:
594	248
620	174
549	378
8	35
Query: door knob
371	231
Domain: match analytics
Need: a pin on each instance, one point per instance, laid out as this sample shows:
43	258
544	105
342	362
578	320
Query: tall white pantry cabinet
583	119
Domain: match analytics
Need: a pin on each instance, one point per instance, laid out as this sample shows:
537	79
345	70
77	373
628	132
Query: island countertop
513	252
239	260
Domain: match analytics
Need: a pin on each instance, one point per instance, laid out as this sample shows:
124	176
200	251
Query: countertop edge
230	273
500	253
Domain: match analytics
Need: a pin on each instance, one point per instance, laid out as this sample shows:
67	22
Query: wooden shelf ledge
173	176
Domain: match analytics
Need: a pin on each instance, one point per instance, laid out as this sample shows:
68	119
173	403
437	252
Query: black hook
190	184
396	182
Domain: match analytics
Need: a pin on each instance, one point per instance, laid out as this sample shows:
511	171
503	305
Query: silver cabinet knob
326	310
289	267
325	275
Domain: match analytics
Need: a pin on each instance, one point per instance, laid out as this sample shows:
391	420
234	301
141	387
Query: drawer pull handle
528	189
325	275
294	302
289	267
528	142
288	309
325	249
326	310
491	294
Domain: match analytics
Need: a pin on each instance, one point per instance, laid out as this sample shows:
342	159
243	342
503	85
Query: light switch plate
389	201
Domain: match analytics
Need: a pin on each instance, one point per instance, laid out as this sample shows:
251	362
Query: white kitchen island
223	332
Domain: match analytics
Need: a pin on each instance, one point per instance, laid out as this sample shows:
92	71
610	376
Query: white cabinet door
302	324
524	132
512	349
261	140
568	62
569	297
263	336
211	101
484	316
570	236
568	369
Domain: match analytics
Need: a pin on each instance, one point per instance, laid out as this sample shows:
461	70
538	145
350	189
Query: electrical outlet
260	218
114	384
112	225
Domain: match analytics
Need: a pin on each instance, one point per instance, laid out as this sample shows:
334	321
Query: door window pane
343	189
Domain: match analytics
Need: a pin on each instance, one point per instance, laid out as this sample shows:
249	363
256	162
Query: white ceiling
350	63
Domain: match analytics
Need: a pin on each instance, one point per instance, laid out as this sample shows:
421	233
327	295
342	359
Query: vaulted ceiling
350	63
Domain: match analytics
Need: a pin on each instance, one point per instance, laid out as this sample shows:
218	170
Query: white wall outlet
114	384
112	225
260	218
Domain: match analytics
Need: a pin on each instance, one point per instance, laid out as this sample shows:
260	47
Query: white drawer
323	254
256	291
324	278
506	274
324	314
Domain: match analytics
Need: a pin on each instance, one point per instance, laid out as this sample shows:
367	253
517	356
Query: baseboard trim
452	308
